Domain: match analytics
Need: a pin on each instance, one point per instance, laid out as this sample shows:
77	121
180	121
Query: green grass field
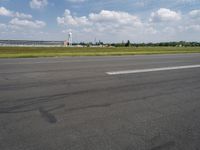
28	52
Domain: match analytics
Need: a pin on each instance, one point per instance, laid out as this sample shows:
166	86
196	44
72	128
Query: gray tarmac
70	103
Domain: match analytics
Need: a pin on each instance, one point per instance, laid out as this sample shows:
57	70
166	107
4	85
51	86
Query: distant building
30	43
65	43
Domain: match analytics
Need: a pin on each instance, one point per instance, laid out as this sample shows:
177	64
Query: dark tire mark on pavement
47	115
166	146
88	107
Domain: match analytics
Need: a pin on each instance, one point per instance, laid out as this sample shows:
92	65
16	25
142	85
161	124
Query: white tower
70	39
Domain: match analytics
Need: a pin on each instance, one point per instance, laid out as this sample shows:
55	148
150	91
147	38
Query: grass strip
30	52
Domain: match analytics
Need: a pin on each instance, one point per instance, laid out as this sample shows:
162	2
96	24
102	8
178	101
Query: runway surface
73	103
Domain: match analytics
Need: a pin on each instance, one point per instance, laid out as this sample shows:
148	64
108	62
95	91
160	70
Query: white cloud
69	20
187	1
193	27
22	15
38	4
9	13
18	23
195	13
104	19
5	12
19	20
165	15
114	17
76	1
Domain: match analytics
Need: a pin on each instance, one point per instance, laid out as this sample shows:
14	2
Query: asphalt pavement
73	103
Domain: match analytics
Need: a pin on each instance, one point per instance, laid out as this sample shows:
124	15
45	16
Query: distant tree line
101	44
129	44
164	44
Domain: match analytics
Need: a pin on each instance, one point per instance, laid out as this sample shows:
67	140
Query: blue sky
105	20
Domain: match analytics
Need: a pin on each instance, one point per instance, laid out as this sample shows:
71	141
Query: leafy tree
128	44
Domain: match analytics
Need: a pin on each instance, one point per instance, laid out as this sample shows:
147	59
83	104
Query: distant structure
30	43
70	39
65	43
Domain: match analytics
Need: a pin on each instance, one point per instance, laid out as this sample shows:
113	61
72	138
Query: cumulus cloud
103	19
9	13
195	27
20	20
5	12
38	4
69	20
191	21
19	23
187	1
165	15
187	28
22	15
106	16
76	1
195	13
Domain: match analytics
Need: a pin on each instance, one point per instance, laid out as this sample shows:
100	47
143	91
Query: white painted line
152	70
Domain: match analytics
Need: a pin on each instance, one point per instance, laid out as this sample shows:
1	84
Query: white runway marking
152	70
